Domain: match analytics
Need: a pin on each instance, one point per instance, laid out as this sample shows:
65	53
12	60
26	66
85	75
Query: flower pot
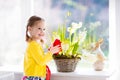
66	65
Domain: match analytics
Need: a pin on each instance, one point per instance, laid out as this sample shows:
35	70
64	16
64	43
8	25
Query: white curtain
13	20
10	31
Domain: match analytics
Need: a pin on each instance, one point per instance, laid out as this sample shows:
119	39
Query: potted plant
70	40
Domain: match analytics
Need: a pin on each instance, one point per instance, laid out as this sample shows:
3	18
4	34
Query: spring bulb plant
70	40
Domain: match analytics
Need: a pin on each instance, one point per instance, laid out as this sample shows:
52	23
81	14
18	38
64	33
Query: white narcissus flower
74	27
71	30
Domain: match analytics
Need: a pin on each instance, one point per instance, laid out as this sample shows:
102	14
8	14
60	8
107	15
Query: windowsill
78	74
83	73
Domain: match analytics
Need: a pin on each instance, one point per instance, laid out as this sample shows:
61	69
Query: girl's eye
44	29
40	28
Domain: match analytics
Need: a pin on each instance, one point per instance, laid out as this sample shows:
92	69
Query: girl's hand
55	49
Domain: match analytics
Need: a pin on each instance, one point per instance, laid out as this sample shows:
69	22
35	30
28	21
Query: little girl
35	59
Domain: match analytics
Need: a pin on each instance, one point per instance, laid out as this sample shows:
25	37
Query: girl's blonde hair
31	22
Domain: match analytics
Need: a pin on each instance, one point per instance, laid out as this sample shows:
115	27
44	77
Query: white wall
114	11
118	35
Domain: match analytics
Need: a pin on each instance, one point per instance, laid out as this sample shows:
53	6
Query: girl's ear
29	31
29	28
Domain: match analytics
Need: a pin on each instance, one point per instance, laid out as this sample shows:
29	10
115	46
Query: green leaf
76	46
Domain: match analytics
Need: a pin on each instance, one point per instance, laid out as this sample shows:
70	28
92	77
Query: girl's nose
42	33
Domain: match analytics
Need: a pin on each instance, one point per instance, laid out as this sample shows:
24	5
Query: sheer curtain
10	32
13	19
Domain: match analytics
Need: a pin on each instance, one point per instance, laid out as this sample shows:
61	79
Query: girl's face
37	31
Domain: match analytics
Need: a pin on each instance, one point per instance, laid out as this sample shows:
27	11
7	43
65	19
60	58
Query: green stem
70	38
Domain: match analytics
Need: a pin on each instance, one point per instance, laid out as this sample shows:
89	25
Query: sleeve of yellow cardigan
37	54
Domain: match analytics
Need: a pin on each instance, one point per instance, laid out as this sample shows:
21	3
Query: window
93	13
14	15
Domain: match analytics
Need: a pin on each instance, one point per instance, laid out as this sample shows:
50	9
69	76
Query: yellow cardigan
35	60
